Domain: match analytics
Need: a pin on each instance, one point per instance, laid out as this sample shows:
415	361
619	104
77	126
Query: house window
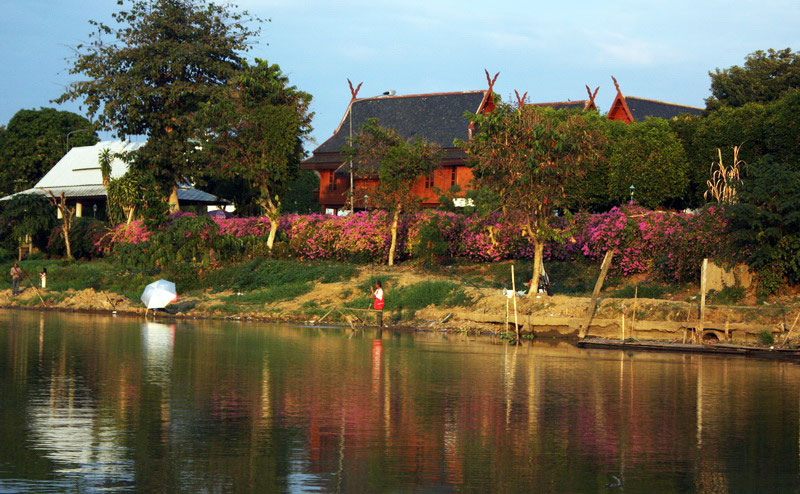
331	182
453	176
429	181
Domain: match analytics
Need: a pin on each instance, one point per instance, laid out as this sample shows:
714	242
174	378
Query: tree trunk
129	213
538	253
272	209
174	207
274	216
65	229
393	246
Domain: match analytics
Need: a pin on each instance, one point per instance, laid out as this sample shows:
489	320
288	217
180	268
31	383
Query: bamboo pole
635	302
701	323
596	293
38	294
514	294
790	330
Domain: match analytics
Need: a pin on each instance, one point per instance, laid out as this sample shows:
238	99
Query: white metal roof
81	165
77	174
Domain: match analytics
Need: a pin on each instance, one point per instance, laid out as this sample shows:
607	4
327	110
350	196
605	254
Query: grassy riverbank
457	297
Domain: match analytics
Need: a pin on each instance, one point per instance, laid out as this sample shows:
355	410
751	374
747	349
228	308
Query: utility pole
352	192
88	129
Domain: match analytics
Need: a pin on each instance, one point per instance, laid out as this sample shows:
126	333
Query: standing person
43	277
16	276
377	303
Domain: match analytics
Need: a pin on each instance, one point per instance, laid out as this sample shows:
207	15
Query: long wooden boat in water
713	348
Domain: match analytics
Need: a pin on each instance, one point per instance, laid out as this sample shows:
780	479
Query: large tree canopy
149	74
397	163
765	77
255	128
34	141
527	156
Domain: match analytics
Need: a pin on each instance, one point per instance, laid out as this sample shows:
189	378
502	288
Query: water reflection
91	403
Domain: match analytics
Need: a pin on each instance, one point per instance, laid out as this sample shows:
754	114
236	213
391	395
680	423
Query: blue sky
657	49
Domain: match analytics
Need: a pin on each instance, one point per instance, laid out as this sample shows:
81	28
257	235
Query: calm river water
91	403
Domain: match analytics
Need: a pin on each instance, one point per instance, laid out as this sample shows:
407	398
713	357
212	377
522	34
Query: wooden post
596	293
686	327
506	312
728	327
701	322
514	294
622	326
635	302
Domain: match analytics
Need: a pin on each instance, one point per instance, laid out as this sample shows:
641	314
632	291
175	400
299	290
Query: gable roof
437	118
641	108
81	165
77	174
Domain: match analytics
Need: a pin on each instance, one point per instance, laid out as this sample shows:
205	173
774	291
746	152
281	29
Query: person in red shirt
377	302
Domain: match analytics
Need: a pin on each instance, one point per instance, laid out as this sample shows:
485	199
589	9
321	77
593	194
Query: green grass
260	273
270	294
730	295
566	277
646	290
404	301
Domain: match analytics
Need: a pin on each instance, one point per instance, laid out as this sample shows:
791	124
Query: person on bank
16	276
377	304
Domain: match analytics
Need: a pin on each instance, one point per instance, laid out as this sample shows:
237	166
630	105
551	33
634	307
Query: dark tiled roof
565	105
641	108
438	118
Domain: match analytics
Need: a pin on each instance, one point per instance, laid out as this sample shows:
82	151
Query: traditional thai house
436	117
629	108
77	176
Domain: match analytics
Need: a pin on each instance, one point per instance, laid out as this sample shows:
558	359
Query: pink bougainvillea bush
668	244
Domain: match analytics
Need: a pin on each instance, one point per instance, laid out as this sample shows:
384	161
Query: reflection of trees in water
208	405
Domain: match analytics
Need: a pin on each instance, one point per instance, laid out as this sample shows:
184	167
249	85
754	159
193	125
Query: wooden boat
712	348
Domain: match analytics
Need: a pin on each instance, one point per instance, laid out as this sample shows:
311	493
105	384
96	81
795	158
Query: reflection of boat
714	348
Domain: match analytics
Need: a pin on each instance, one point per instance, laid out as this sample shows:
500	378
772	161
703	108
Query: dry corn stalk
722	185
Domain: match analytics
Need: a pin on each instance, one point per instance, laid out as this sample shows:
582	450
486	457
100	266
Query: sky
656	49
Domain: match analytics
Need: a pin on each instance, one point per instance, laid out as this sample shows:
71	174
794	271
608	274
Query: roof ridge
561	102
663	102
419	95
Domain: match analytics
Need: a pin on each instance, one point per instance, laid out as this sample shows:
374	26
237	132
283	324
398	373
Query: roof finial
592	95
521	100
616	84
354	92
491	80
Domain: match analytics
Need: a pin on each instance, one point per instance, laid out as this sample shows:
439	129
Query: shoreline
458	299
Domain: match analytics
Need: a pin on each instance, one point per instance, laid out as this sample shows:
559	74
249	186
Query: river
96	403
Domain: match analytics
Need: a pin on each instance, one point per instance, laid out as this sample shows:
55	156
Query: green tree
765	77
299	193
256	127
27	216
34	141
589	190
163	60
649	156
131	193
765	223
398	164
527	156
781	129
